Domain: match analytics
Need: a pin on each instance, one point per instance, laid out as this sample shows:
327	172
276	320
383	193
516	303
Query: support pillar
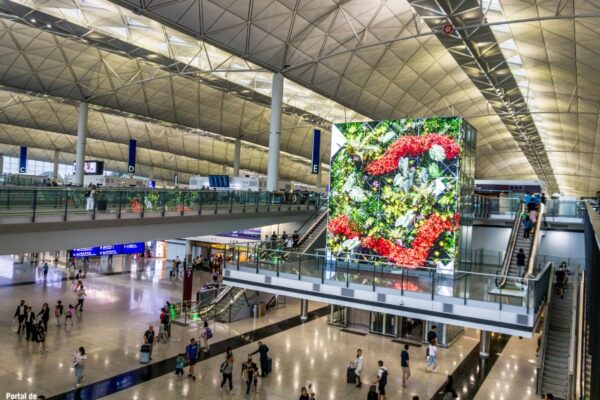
55	165
188	254
1	164
81	137
275	133
303	310
236	157
484	344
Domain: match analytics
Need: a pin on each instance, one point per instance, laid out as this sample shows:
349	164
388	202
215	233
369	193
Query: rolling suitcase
351	375
269	366
145	354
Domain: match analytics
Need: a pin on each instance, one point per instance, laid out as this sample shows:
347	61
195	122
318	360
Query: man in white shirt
382	375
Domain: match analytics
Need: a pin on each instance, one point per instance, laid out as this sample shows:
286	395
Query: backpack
383	379
223	366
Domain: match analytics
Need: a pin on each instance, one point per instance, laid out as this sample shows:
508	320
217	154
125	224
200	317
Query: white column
188	253
55	166
303	310
236	157
81	136
484	344
275	133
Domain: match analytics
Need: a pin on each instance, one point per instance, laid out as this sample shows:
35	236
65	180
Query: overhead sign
113	249
23	160
316	152
131	162
91	167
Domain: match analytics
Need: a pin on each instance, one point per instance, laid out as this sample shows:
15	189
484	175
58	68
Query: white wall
553	243
176	248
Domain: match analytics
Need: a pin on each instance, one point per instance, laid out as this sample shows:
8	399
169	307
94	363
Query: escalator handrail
205	309
510	248
314	226
576	334
537	234
545	327
312	216
234	298
313	240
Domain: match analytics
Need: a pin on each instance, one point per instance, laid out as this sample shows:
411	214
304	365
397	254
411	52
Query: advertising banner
187	284
316	152
131	162
23	160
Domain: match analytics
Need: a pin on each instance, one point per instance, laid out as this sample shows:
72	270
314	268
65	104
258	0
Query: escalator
509	276
561	335
314	236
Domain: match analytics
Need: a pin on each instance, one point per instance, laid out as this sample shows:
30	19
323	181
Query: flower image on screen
394	190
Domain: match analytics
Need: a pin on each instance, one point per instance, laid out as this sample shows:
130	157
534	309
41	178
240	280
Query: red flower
341	225
411	146
427	234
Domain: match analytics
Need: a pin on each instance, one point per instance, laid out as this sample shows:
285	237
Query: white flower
439	187
437	152
405	220
351	244
356	194
387	137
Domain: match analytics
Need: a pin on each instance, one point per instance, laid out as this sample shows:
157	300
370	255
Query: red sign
187	284
448	29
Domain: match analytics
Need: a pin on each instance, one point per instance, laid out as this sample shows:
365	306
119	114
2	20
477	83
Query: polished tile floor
313	352
117	311
513	375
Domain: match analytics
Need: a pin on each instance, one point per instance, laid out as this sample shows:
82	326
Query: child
58	312
179	364
41	337
69	316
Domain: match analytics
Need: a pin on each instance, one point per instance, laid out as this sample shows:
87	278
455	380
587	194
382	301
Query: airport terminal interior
300	199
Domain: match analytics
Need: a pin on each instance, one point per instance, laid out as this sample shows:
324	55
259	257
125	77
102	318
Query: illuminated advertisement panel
395	190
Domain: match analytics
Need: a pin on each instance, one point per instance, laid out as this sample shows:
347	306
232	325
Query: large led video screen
394	190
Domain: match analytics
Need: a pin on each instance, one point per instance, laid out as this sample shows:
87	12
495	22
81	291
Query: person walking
45	269
149	339
405	364
80	297
44	315
251	377
41	336
263	350
91	194
30	324
205	335
358	367
306	395
448	392
227	370
382	375
58	312
179	365
20	315
432	356
69	314
432	334
191	352
79	365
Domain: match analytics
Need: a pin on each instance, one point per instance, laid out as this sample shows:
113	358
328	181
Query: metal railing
486	207
542	349
66	203
510	248
380	275
535	240
575	356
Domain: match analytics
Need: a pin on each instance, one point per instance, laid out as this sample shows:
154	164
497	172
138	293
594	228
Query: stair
556	357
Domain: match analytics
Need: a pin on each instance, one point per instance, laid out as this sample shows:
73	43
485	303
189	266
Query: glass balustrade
489	207
374	274
68	203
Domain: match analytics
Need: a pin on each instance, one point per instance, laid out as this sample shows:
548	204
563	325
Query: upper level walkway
463	298
35	219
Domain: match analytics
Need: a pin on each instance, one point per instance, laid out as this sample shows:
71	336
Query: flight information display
113	249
